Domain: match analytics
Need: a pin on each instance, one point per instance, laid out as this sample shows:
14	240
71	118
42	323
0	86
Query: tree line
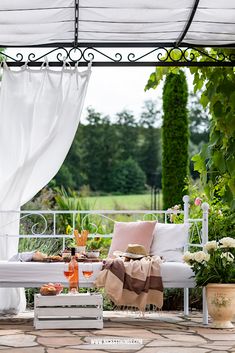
122	154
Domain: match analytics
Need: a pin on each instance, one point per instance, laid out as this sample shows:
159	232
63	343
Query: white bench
174	274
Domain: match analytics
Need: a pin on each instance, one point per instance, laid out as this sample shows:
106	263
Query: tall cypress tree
175	139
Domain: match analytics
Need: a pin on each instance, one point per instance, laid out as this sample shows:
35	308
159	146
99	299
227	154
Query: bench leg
204	307
186	301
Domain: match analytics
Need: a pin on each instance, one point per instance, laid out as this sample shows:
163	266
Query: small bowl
80	249
93	254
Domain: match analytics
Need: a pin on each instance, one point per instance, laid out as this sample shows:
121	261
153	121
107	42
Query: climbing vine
216	161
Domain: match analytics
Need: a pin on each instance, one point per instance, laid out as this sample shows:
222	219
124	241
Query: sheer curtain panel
39	116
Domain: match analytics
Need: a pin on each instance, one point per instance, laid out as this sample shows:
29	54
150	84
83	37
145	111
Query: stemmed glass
87	271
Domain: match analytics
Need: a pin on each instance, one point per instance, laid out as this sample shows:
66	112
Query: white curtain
39	115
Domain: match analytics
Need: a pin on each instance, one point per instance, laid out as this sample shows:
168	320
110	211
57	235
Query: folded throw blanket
135	283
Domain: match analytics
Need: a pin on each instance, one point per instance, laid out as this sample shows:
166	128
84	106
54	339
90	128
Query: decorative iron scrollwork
37	227
108	56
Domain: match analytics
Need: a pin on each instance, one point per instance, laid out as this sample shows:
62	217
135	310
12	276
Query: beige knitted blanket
135	283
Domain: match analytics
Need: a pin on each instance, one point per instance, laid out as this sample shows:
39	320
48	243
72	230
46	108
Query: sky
112	89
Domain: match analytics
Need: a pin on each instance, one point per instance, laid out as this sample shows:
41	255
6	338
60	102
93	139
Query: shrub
221	222
128	177
175	139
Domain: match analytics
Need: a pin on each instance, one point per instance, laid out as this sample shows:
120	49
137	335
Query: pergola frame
152	54
85	52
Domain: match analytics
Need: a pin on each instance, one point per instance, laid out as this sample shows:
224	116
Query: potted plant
93	248
214	267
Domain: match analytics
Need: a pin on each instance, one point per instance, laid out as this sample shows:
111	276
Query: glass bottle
73	267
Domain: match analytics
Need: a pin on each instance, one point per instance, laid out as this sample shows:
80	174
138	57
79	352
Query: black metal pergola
90	34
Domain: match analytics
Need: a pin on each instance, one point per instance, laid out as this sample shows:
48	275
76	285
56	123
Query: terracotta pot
221	304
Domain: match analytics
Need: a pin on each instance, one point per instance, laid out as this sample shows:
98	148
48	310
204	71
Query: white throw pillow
169	240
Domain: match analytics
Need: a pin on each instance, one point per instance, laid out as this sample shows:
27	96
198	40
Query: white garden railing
49	223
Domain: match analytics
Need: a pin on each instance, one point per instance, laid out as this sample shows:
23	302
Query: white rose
200	256
188	256
228	256
211	245
227	242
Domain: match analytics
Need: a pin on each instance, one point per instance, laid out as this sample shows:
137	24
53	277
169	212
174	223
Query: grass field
120	202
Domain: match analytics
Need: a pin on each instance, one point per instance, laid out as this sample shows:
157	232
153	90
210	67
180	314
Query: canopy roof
117	23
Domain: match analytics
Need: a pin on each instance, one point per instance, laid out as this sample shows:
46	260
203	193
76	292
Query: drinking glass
87	272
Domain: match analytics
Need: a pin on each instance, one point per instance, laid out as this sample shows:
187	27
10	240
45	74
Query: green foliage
217	166
45	245
101	244
102	143
70	200
221	216
199	120
72	174
128	177
65	177
175	139
121	202
149	158
44	200
221	220
150	150
94	244
127	135
99	150
173	299
216	162
54	199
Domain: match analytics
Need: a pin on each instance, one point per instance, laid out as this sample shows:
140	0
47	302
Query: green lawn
120	202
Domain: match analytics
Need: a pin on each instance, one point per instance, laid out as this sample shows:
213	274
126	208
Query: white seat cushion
177	275
34	274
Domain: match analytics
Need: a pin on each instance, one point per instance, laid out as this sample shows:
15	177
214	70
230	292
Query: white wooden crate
68	311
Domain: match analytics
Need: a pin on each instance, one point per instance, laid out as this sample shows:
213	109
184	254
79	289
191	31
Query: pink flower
198	201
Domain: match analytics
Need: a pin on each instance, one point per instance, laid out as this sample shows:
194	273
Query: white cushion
32	274
169	240
174	274
177	275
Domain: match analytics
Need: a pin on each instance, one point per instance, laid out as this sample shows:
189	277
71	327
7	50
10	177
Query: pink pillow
125	233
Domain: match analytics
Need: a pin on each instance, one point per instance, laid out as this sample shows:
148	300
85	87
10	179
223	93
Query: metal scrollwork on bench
52	224
35	225
109	56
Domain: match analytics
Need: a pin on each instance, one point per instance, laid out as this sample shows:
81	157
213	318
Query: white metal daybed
34	274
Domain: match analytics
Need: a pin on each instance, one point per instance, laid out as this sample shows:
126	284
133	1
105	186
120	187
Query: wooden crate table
68	311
